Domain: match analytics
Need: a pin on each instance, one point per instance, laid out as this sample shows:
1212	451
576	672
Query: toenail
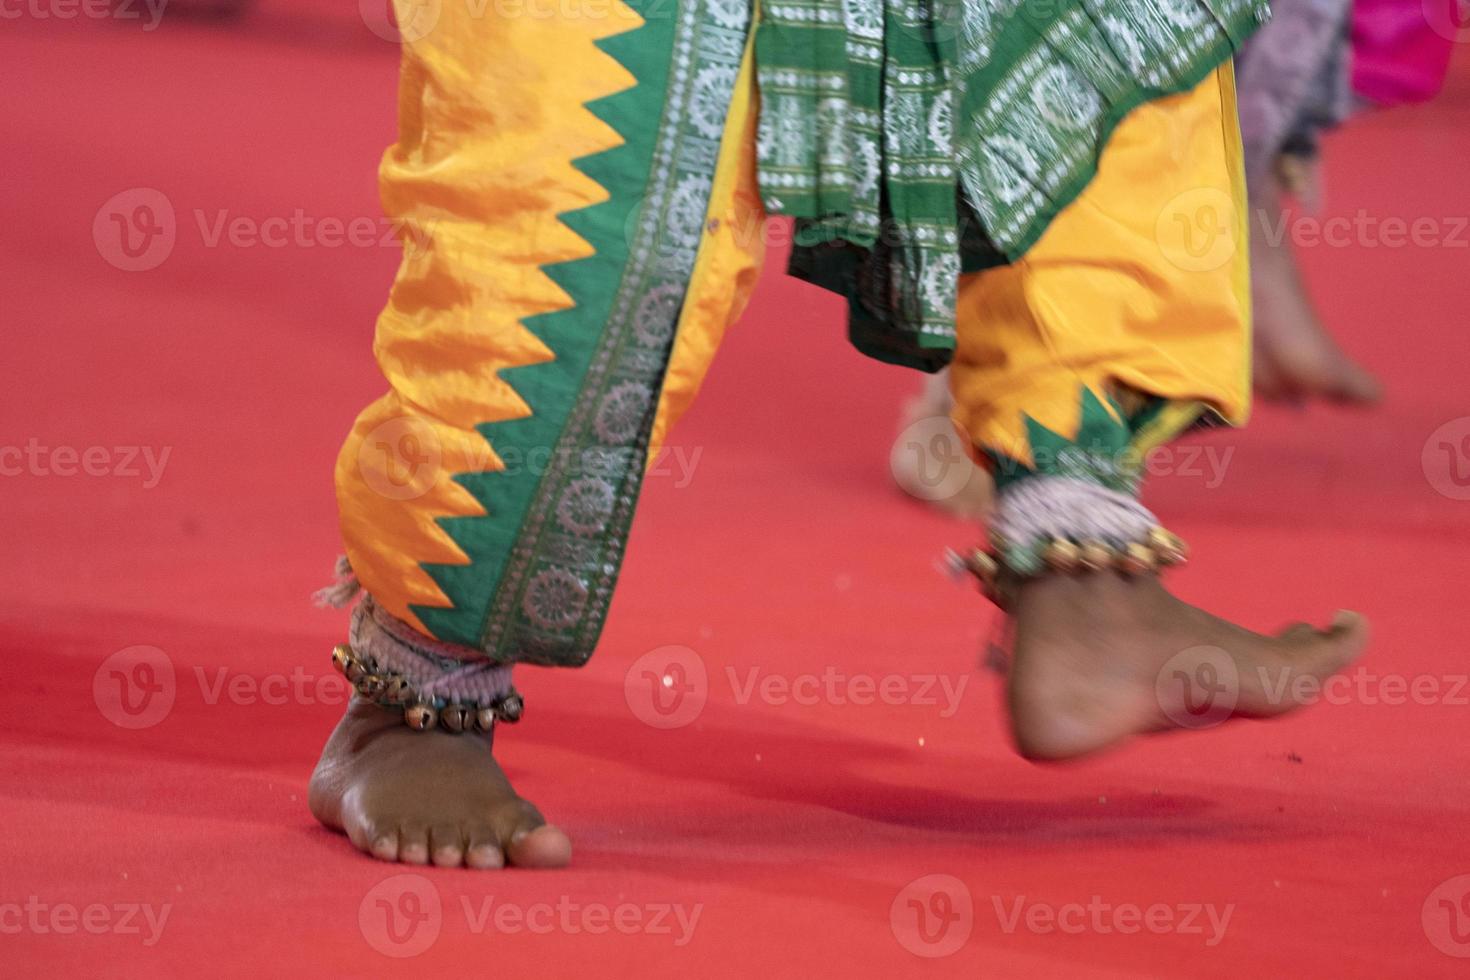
486	857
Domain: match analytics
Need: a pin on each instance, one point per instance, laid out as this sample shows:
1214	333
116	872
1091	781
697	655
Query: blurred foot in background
929	459
1296	358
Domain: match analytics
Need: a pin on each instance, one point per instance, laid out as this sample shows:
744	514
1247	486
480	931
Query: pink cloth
1401	48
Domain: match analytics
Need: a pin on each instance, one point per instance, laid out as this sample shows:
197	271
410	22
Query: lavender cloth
1294	72
438	671
1045	507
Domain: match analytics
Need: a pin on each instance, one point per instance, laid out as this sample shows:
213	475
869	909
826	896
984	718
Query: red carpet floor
772	835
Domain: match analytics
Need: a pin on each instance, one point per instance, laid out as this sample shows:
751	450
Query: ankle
1088	598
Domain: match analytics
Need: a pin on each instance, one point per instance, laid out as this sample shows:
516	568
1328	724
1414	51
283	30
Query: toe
1349	632
1305	651
1330	649
528	840
1298	632
380	843
540	847
413	844
1267	382
446	845
484	848
385	846
1356	386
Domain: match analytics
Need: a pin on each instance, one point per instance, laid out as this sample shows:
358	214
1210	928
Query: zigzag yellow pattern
491	115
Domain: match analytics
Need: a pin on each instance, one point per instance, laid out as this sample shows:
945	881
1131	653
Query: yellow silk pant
1141	282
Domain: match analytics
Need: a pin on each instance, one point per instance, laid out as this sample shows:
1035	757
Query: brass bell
485	719
510	708
397	690
421	717
1136	559
1095	555
455	718
1062	555
1169	546
984	567
370	686
341	657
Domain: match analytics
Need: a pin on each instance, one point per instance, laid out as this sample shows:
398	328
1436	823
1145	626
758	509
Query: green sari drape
916	139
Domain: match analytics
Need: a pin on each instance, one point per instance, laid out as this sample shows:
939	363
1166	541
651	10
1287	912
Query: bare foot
930	462
1102	657
1295	357
416	797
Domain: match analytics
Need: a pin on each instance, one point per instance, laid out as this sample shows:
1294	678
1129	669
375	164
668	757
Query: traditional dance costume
1048	200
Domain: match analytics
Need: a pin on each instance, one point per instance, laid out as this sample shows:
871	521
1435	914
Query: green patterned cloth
916	139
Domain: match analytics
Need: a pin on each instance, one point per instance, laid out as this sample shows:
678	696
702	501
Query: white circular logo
1198	687
932	916
1446	459
400	20
1197	230
401	916
135	687
929	459
1449	19
136	230
667	687
1446	917
400	459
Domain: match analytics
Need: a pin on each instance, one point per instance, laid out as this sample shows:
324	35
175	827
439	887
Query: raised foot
418	797
1100	658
